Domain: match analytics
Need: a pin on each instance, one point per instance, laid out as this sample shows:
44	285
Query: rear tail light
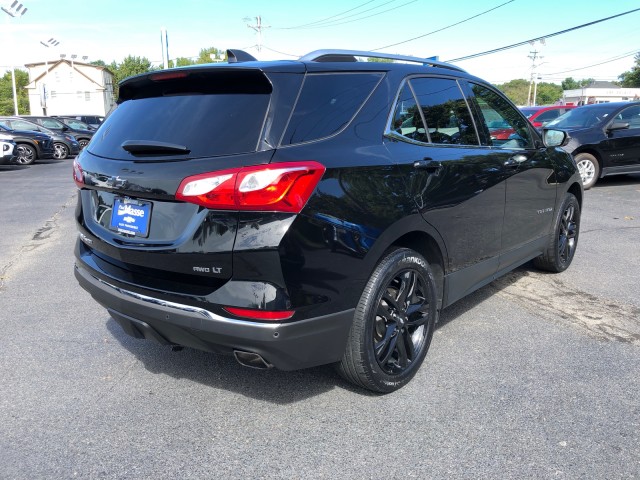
253	314
78	174
280	187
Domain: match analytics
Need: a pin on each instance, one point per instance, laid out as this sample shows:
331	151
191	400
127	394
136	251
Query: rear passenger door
456	183
531	183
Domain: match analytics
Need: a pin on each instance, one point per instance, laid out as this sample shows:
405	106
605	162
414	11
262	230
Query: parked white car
8	150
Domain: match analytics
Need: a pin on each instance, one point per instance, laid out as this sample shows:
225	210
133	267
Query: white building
600	92
66	87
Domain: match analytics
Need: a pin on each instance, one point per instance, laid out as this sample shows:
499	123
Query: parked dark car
604	139
543	114
64	144
82	136
75	123
31	146
298	213
92	120
8	150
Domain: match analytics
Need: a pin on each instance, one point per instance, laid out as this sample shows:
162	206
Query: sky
113	29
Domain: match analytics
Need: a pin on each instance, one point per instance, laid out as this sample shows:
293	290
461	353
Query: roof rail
351	56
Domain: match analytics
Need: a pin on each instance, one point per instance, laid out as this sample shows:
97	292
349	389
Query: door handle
427	164
516	160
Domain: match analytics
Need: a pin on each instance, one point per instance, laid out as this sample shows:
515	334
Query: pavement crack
39	238
552	297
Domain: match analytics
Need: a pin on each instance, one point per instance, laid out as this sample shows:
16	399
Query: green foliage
98	63
6	93
379	60
548	93
205	55
516	90
570	84
181	62
631	78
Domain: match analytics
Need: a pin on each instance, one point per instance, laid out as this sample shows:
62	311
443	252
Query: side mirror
618	126
65	128
554	138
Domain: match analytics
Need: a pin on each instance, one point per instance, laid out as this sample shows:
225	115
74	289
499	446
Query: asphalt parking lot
534	376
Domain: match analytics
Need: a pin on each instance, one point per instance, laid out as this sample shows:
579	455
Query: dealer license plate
131	216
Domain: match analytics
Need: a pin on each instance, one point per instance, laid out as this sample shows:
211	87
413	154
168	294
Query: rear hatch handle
151	147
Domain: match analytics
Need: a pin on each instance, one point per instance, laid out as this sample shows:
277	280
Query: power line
619	57
328	18
496	50
368	16
331	21
443	28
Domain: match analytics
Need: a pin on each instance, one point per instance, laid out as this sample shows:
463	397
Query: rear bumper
287	346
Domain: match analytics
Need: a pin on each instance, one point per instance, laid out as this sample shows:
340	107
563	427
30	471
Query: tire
26	154
61	151
393	324
589	169
562	246
83	142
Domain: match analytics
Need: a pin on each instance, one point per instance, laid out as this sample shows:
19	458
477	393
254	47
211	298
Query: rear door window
327	103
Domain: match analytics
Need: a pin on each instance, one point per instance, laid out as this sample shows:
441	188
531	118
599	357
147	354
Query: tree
631	78
181	62
6	93
128	67
98	63
205	55
516	90
548	93
570	84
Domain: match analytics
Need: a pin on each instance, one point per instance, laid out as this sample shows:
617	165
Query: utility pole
258	27
16	10
534	56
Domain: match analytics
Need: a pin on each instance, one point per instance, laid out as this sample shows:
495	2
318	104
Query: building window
53	94
79	95
87	96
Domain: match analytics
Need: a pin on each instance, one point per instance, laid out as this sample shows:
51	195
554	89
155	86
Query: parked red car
539	116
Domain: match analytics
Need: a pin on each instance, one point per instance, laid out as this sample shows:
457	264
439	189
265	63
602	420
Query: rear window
327	104
204	113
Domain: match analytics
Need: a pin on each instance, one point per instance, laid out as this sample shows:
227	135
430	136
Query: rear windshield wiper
151	147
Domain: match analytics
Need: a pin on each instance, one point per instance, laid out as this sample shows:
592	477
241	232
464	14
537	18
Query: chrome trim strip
186	308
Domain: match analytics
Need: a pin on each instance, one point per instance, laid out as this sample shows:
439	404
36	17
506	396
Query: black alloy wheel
562	245
399	331
83	142
567	235
393	324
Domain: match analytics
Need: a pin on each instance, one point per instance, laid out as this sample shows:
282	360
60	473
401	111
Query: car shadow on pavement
4	168
618	180
223	372
275	386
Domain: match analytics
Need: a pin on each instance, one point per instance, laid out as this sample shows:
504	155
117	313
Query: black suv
31	146
298	213
604	139
82	136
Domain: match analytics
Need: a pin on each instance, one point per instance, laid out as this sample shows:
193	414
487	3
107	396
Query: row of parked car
28	138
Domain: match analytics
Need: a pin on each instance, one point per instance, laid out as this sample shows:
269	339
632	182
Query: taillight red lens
78	175
260	314
280	187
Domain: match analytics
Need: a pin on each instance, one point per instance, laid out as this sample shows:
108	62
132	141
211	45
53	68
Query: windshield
583	117
527	112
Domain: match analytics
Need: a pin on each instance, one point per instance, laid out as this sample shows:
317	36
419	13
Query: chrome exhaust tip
251	360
